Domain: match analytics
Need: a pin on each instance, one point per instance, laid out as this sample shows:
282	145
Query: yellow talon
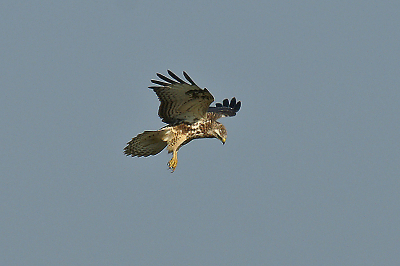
173	162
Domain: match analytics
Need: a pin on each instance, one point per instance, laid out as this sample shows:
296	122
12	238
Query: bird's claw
172	164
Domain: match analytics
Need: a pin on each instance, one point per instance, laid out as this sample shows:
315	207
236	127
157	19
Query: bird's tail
146	143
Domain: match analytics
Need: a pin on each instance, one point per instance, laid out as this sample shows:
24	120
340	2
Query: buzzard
186	109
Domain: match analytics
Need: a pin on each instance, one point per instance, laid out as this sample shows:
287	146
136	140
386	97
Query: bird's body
185	107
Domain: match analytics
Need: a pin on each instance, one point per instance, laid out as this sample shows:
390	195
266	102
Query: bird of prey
185	107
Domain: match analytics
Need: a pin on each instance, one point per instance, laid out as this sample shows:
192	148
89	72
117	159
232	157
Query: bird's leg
174	161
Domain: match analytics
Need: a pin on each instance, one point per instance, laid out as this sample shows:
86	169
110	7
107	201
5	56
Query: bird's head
219	132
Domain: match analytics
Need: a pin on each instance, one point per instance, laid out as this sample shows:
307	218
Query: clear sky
309	174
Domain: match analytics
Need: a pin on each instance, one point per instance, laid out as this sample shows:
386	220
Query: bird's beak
223	140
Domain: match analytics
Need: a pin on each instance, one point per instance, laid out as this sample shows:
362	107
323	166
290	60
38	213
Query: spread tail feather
146	143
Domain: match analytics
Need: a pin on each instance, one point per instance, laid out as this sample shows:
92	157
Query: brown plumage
186	109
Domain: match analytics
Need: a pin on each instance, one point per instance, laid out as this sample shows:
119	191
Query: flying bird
185	107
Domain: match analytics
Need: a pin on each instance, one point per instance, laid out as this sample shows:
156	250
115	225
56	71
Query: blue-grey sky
309	174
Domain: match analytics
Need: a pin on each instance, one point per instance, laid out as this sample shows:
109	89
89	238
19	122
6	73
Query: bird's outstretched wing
179	100
225	108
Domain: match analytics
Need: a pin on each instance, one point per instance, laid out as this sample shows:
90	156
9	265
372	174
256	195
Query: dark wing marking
188	78
225	109
161	76
179	100
172	74
158	82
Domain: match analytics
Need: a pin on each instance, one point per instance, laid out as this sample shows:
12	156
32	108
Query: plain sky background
309	174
